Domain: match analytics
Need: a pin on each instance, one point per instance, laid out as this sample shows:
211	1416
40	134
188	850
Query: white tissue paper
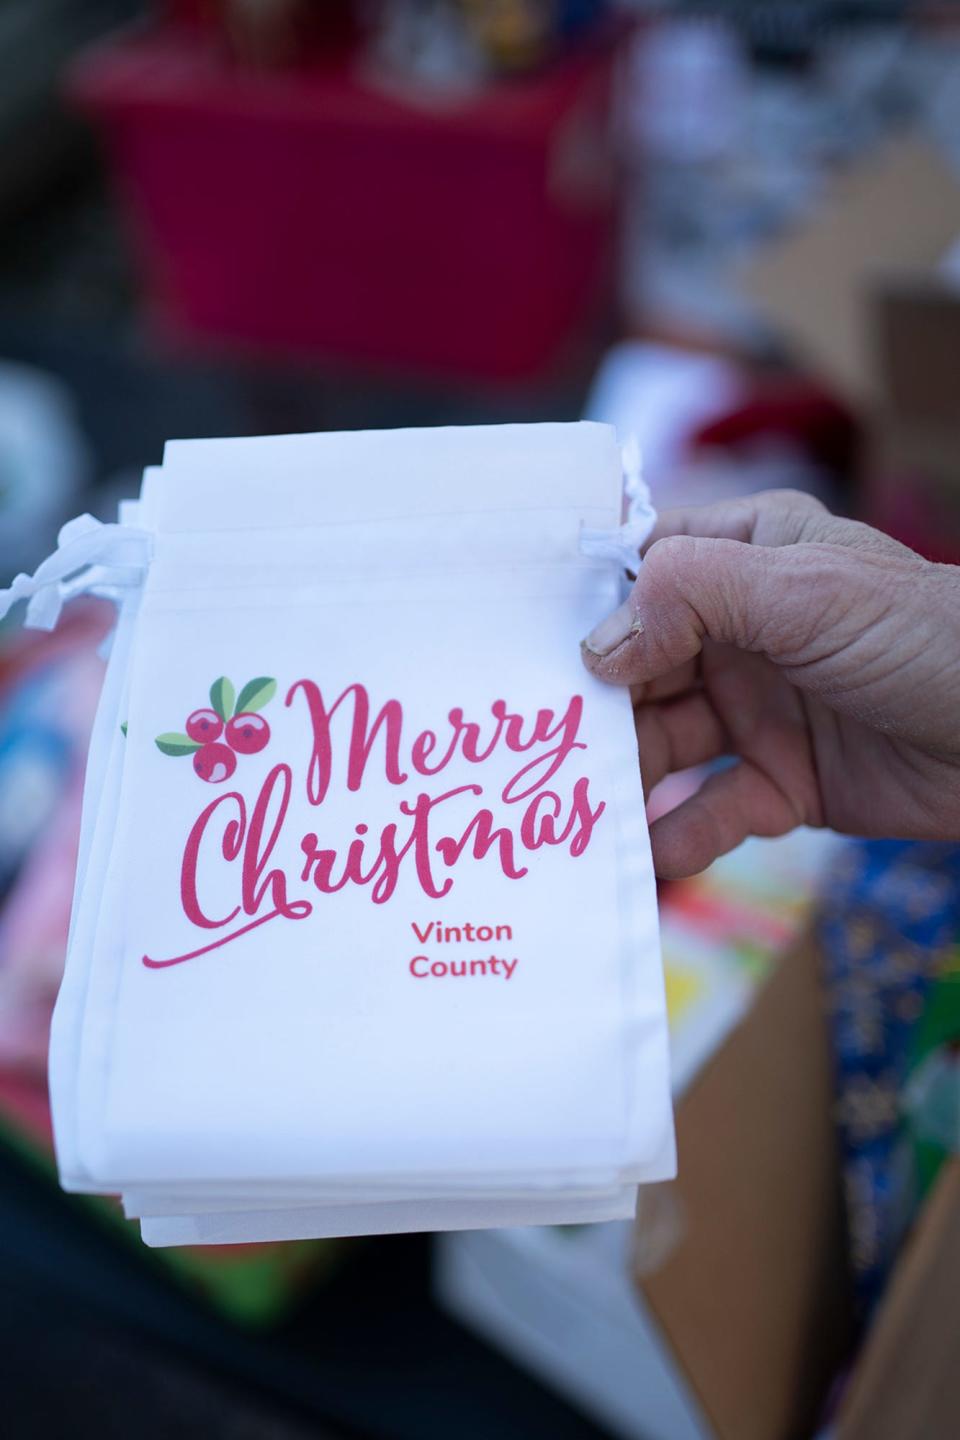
365	933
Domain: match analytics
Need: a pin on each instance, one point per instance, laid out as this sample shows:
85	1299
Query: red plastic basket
314	210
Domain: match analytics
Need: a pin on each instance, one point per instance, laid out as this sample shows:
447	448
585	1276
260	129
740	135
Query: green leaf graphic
174	743
222	695
123	727
255	694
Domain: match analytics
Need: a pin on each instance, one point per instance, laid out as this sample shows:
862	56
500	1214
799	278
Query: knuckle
822	601
693	581
665	585
790	499
668	559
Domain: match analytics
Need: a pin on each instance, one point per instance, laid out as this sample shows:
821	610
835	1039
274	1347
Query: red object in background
797	410
308	209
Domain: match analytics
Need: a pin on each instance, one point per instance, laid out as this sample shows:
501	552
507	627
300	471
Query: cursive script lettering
250	854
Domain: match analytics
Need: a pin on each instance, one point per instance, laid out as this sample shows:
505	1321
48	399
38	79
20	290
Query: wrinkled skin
820	654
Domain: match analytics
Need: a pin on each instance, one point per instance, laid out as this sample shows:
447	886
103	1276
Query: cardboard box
906	1385
891	219
737	1333
859	295
755	1298
915	335
911	473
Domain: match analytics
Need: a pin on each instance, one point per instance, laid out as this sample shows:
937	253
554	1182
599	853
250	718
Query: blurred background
732	230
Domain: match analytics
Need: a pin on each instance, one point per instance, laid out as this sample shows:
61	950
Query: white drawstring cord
89	555
623	544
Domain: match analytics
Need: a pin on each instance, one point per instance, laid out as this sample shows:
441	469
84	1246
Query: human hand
820	654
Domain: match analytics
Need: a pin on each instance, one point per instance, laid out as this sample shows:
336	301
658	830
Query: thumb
692	589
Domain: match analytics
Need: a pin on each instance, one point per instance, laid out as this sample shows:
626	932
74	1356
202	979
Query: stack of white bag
365	934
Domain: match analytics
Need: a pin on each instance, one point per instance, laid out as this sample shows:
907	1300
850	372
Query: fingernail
613	631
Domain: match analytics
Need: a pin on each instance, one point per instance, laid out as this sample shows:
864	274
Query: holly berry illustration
233	717
204	725
214	763
247	733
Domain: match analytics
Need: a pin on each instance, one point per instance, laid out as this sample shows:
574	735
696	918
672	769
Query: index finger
772	517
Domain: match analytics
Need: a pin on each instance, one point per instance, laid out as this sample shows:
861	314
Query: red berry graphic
204	725
214	763
247	733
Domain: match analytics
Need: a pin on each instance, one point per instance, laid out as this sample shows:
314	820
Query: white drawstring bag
365	931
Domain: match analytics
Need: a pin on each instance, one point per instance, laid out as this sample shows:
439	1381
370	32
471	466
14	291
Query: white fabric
239	1074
